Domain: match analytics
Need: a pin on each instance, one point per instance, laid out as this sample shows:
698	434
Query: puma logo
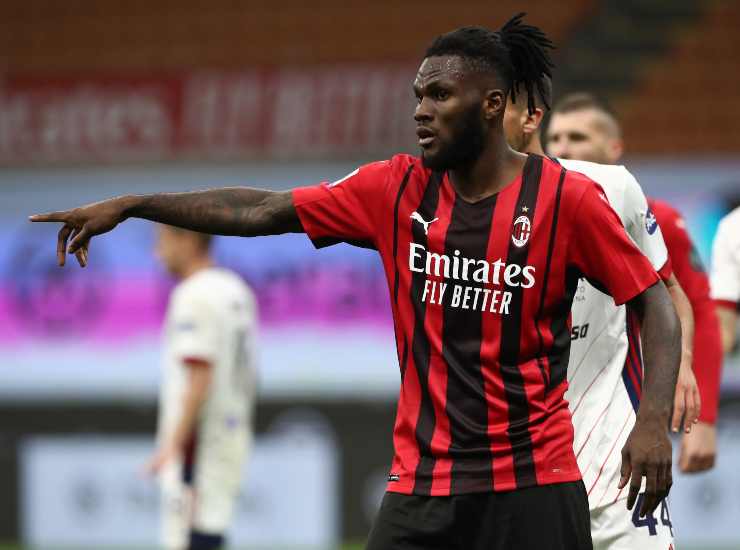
416	216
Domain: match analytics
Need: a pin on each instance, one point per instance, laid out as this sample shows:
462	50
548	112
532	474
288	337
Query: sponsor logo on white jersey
651	222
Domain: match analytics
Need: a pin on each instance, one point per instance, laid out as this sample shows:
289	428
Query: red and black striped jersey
481	296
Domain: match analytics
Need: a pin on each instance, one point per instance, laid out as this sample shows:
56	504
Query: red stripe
616	473
633	363
634	340
589	387
433	322
608	456
618	495
541	419
498	413
406	457
598	420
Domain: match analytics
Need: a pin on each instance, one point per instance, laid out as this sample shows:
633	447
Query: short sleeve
725	277
603	253
643	226
346	210
194	331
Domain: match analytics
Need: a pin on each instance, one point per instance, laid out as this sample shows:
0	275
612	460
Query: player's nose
423	112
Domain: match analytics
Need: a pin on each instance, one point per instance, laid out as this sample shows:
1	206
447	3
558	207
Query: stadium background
101	98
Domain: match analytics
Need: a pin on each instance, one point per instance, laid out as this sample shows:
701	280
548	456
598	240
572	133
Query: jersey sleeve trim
727	304
666	271
199	361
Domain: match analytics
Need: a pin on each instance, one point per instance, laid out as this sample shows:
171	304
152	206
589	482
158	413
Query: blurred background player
605	365
726	276
207	393
582	127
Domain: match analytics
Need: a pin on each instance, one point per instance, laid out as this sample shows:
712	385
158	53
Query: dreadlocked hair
518	53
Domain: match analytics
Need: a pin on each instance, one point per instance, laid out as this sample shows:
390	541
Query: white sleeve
725	278
641	224
195	332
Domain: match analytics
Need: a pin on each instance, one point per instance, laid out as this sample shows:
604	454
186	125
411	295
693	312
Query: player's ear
616	150
531	122
494	103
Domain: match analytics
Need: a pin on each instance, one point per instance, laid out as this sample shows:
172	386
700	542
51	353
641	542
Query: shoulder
612	178
663	210
404	165
730	224
727	238
670	220
376	175
577	184
211	288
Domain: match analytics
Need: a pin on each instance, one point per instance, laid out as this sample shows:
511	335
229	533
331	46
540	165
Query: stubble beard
466	146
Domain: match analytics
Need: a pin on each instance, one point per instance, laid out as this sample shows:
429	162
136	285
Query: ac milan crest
521	231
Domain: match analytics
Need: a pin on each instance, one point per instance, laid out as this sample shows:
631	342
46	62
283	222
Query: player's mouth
426	136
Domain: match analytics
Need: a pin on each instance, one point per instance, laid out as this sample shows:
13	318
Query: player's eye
441	95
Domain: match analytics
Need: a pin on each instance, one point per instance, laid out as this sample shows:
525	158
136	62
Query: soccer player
726	275
605	367
483	248
584	128
207	394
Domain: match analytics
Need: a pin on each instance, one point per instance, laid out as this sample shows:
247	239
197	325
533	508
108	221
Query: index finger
60	216
692	411
679	408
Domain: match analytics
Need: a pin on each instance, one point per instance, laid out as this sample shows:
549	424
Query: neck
489	174
535	145
197	264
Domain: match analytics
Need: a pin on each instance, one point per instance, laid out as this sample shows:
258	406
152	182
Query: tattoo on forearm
228	211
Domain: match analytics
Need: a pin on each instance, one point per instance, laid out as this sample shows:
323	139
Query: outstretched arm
648	449
227	211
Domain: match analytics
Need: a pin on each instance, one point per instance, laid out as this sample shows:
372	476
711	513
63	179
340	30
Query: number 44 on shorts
649	521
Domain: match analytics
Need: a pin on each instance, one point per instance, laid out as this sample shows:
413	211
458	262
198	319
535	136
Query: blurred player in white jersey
207	393
584	127
605	367
726	276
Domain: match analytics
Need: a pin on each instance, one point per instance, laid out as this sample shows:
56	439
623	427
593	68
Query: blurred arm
685	316
687	401
728	326
200	375
196	393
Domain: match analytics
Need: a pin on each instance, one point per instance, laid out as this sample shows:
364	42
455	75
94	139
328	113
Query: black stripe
559	354
466	407
516	396
401	189
404	357
420	347
561	337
